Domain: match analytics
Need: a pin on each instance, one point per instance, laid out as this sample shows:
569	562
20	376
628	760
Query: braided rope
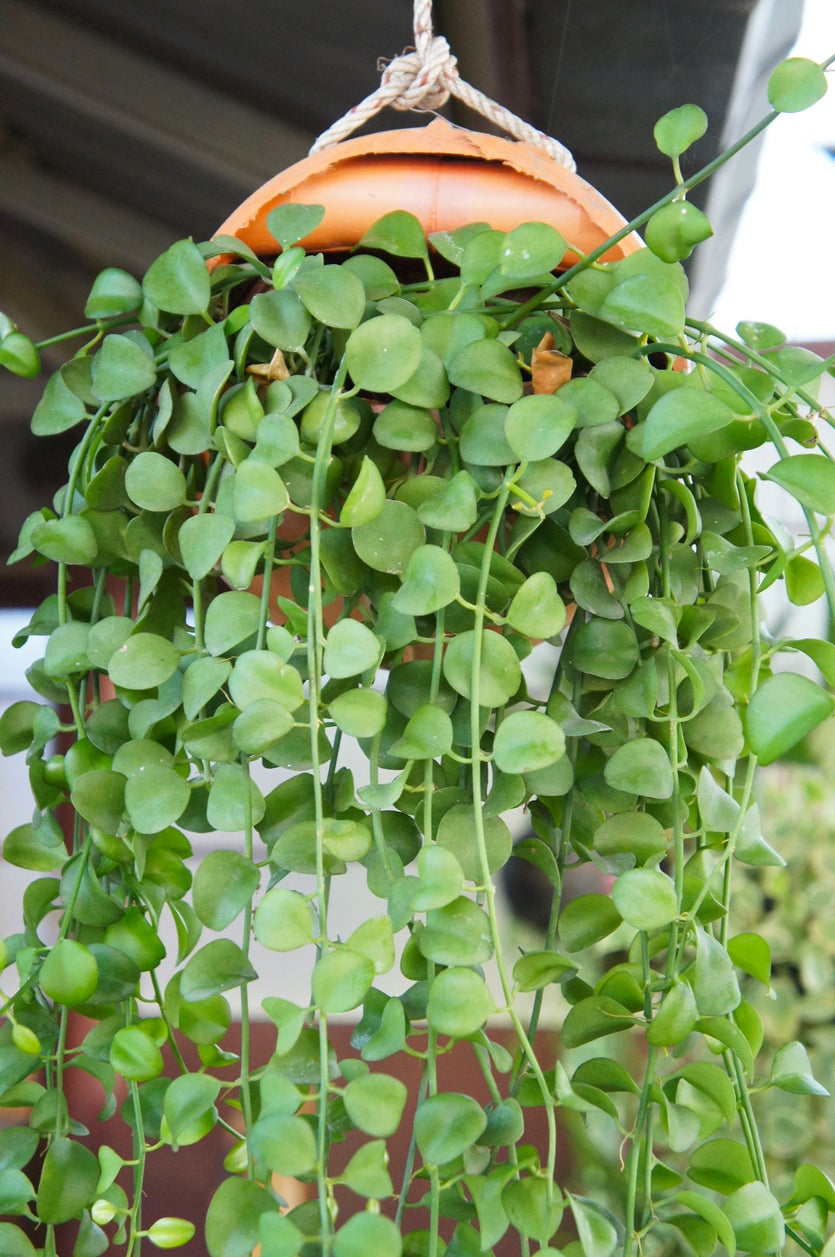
423	80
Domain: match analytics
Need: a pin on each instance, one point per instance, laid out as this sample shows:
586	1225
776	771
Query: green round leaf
428	735
796	84
289	223
645	898
440	878
490	661
587	919
367	496
402	427
70	973
679	416
388	540
641	767
674	231
232	1220
678	129
332	294
202	540
178	281
756	1218
341	979
431	581
457	934
68	1182
19	354
122	368
459	1002
350	648
383	353
284	1143
154	483
360	713
526	741
783	710
114	291
260	726
531	249
375	1103
68	540
645	303
283	920
446	1125
458	833
605	648
134	1055
143	662
259	492
538	425
215	968
367	1233
280	318
399	233
224	883
810	478
488	369
537	610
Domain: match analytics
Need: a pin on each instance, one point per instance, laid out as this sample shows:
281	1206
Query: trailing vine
321	505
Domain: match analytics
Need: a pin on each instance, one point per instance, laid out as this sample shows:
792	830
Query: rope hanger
423	80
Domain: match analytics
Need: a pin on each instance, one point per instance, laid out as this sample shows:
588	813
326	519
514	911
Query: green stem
481	842
634	224
315	653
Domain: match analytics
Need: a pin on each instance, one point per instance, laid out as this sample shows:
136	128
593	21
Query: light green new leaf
796	84
678	129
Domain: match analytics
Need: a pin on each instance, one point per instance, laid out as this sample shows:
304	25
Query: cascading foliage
316	501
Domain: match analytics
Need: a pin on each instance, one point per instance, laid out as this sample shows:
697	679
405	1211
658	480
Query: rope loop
422	79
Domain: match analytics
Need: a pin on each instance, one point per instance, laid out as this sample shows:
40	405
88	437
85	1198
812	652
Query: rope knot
422	80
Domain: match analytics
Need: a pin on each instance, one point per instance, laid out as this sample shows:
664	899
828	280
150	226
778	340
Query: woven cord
423	80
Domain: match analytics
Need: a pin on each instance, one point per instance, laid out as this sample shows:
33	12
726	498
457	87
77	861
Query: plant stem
315	652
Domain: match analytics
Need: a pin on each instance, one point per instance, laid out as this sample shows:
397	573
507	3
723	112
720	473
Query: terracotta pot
445	176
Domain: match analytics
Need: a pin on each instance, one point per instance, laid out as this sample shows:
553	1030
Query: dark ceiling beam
132	127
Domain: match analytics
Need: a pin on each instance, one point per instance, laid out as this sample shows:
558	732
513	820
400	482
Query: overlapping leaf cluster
322	500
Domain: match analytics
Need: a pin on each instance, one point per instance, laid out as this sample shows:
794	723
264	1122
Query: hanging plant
318	499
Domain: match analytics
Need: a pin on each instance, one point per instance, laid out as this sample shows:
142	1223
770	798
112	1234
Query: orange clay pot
445	176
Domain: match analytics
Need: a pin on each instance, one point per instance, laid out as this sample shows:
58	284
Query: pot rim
445	176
